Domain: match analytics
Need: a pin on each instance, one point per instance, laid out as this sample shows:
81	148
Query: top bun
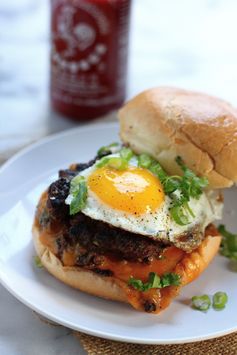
166	122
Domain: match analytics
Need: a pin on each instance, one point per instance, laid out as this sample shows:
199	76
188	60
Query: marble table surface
191	44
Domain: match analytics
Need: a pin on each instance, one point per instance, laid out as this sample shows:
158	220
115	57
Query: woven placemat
226	345
97	346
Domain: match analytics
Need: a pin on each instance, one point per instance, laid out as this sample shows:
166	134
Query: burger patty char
105	239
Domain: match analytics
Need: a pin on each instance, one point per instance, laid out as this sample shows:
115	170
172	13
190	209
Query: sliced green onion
136	283
189	209
118	163
102	162
171	183
79	200
75	184
191	185
107	149
38	262
126	153
201	303
228	244
170	279
179	216
114	162
158	171
155	281
78	191
145	161
219	300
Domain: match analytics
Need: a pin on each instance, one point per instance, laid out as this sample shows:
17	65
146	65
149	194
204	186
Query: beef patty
103	238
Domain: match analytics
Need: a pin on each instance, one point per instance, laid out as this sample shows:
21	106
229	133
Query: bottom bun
189	268
78	277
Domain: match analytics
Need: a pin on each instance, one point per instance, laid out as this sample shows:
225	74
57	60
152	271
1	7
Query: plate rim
108	336
61	321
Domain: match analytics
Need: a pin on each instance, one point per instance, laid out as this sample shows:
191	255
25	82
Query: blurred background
190	44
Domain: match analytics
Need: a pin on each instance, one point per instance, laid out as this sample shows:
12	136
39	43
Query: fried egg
134	200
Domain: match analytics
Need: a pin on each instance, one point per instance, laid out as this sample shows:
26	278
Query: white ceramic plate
22	179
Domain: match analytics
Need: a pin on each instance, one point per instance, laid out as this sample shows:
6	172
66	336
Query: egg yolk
134	190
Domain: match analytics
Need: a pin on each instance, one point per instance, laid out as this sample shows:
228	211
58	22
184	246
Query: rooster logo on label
72	39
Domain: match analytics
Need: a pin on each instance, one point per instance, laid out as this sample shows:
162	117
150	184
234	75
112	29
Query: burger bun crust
165	122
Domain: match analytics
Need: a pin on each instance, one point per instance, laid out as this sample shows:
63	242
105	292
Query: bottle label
89	51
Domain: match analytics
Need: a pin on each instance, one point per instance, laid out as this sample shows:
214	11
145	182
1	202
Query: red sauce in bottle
88	56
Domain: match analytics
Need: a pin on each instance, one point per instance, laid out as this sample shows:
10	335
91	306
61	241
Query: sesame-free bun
190	267
166	122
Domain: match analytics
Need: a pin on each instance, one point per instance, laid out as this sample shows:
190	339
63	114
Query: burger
135	224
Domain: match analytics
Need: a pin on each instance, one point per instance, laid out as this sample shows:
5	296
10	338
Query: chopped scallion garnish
38	262
108	149
180	215
126	153
155	281
145	161
219	300
228	246
78	194
201	303
117	163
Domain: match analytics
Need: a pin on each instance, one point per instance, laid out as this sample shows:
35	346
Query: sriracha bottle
89	49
